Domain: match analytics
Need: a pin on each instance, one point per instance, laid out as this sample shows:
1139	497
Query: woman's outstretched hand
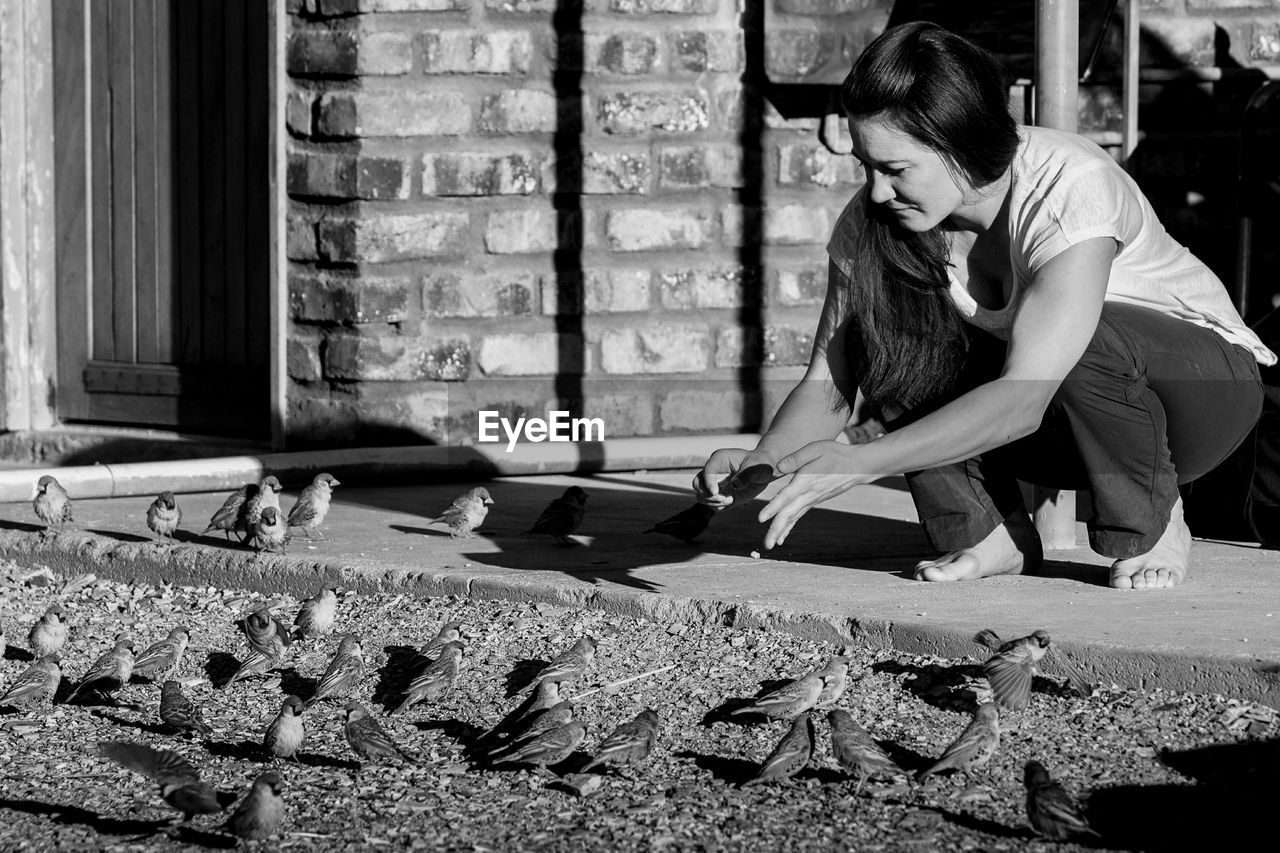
822	470
733	475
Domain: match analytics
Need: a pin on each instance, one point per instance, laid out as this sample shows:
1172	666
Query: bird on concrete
794	697
52	504
835	676
317	614
436	680
162	659
533	726
312	506
343	673
1051	810
110	672
450	632
261	812
265	632
35	686
270	533
179	712
49	633
790	756
562	516
180	783
548	747
466	513
629	743
686	525
1010	669
857	752
368	740
231	516
569	665
164	515
284	736
267	495
974	748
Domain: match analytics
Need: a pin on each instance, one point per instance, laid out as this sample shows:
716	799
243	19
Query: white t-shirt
1065	190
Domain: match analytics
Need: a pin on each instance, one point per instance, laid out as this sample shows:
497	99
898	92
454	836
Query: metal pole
1130	88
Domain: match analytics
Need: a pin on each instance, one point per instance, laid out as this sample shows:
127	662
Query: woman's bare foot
1164	565
1010	549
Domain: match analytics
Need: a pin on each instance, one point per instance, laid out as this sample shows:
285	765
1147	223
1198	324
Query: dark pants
1154	401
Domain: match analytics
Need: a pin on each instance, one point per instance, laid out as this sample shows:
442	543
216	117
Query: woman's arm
1055	320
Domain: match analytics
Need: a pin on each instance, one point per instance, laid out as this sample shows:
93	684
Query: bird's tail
987	637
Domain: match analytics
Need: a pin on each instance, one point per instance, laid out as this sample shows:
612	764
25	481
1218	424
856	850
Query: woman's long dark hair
906	340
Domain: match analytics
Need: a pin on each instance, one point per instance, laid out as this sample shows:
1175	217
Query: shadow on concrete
63	814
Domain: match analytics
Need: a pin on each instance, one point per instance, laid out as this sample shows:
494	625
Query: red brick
390	237
522	6
518	111
340	298
668	348
832	7
707	50
623	414
607	173
787	225
702	409
525	354
476	52
302	356
795	55
646	229
700	166
812	163
642	112
514	232
603	291
381	178
353	7
449	294
779	345
297	112
667	7
708	288
804	286
396	114
377	358
321	51
621	53
300	242
472	174
314	173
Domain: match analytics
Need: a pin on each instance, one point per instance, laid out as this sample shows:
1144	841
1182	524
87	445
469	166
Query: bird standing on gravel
466	513
533	726
265	632
36	686
975	746
49	633
794	697
162	659
230	517
261	812
164	515
317	614
450	632
835	676
549	747
110	672
857	752
1010	669
569	665
313	505
52	503
686	525
368	740
629	743
267	495
271	533
284	736
257	663
180	783
1050	809
436	680
343	673
790	756
562	516
545	696
179	712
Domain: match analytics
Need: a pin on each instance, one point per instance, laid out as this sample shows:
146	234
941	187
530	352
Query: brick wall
507	205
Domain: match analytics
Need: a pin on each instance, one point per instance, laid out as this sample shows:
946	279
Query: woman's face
904	177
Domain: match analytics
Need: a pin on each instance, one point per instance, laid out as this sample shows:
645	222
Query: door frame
28	246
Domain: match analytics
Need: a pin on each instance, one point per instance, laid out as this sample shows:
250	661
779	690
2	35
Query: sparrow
316	615
368	740
546	695
548	747
162	659
284	736
975	746
466	513
35	686
267	495
436	680
180	784
109	672
179	712
450	632
1050	809
629	743
49	633
570	664
257	663
52	503
562	516
265	633
794	697
313	505
164	515
261	812
270	533
534	726
343	672
686	525
230	517
835	677
1009	669
790	756
856	751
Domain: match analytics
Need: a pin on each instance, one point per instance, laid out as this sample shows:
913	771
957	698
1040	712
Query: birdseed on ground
1155	770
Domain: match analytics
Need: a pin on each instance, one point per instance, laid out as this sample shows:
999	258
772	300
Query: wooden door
162	204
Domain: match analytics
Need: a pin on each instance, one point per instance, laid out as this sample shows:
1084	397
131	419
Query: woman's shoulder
1045	152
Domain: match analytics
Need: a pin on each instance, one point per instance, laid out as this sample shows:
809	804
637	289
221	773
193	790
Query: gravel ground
1157	770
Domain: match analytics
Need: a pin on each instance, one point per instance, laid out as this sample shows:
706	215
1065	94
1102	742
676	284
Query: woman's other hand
822	470
733	475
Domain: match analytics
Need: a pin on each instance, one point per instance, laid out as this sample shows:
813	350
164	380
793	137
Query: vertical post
1057	105
1129	87
278	211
